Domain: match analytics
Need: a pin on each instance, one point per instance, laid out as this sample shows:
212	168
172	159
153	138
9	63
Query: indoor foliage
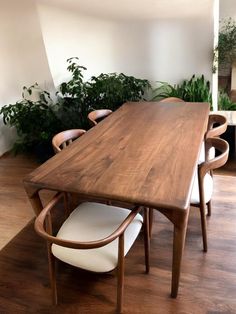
227	41
37	121
197	89
224	102
110	91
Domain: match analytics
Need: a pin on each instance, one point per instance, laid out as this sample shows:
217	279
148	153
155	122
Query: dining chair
217	125
64	138
203	183
96	116
172	99
94	237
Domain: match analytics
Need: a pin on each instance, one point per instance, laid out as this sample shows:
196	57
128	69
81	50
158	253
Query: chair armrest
218	130
222	146
41	230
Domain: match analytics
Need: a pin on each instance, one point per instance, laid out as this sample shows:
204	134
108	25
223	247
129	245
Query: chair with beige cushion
64	138
95	237
203	183
97	115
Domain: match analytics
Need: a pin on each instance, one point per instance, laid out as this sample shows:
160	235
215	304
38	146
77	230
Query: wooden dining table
145	154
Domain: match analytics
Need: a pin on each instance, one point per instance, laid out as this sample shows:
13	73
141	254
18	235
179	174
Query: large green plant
197	89
35	121
224	102
227	41
72	98
112	90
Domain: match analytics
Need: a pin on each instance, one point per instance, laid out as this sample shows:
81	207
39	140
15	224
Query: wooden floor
15	209
208	280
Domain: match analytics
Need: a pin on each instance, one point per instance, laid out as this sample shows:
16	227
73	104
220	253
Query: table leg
180	221
33	195
178	247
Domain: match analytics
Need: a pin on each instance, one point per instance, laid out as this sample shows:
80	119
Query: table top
145	153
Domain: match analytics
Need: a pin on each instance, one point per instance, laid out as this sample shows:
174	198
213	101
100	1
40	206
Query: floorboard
208	280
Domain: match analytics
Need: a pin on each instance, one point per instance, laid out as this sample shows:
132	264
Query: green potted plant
226	51
77	98
72	107
110	91
227	41
197	89
35	122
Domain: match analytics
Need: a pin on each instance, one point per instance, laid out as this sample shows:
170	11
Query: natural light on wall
215	74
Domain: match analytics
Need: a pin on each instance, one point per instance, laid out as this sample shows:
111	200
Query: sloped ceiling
137	9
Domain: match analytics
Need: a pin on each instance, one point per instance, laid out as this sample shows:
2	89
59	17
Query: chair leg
203	224
52	273
209	208
147	239
151	214
120	274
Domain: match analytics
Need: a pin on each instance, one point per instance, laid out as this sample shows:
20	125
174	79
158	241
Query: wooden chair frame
206	167
219	129
64	138
214	131
172	99
43	226
94	115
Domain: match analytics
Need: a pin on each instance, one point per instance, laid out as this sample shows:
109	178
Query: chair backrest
64	138
97	115
217	125
210	164
172	99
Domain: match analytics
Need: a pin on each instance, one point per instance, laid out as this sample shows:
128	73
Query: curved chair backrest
213	163
97	115
172	99
203	183
84	237
217	125
64	138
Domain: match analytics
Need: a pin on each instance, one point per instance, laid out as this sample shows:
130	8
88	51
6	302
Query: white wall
37	40
180	48
227	9
22	57
67	34
167	50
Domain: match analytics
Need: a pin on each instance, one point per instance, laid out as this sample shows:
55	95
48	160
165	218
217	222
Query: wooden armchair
217	125
95	237
98	115
203	183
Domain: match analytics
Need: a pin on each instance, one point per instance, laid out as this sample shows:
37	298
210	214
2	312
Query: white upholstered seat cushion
202	153
94	221
208	189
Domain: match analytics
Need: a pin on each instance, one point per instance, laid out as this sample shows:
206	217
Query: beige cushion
208	189
94	221
202	153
